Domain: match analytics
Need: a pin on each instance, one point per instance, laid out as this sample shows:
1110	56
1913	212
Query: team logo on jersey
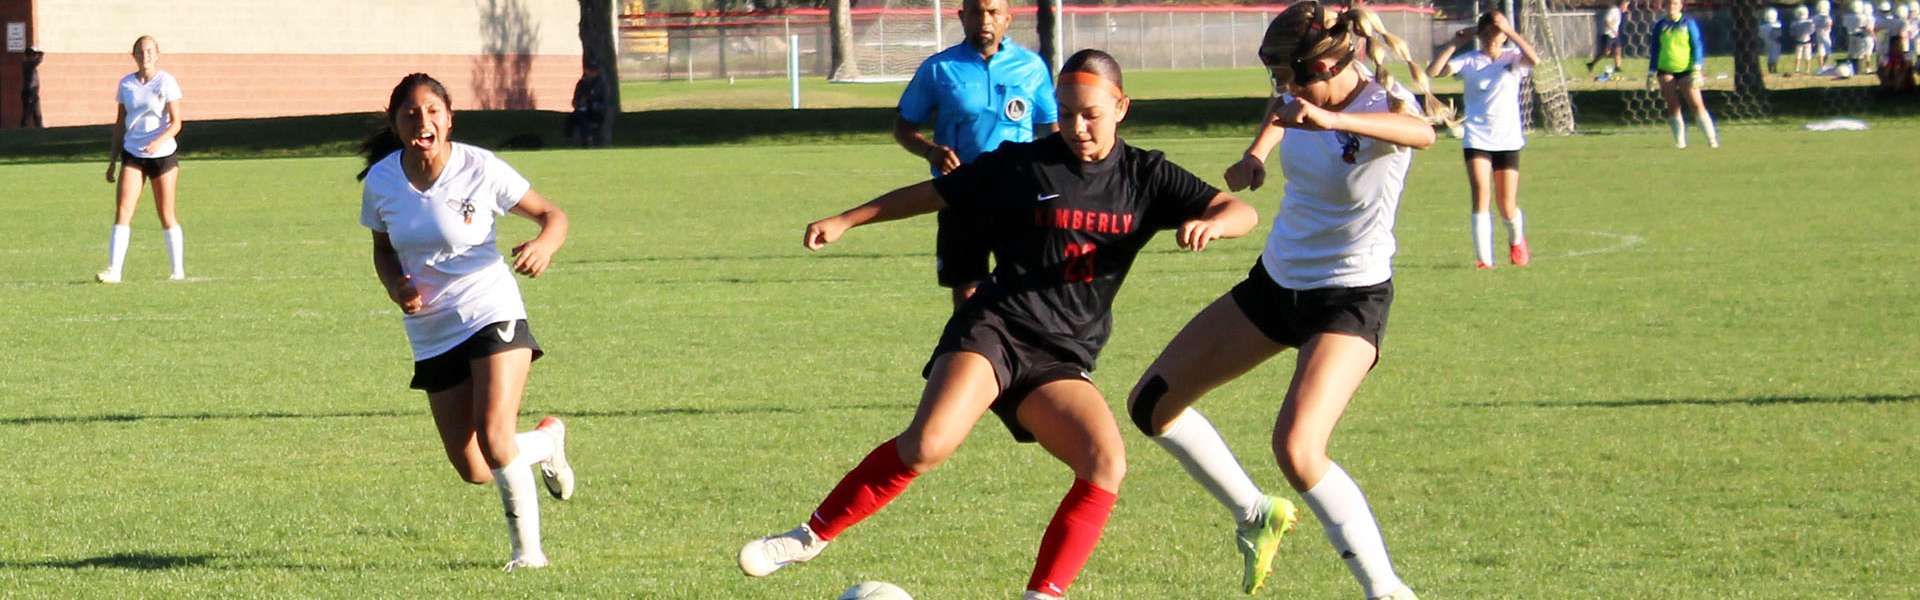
1017	108
464	207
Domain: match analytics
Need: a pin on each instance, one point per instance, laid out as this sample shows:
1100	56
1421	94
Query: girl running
1067	215
1323	285
1493	131
1679	58
432	205
144	128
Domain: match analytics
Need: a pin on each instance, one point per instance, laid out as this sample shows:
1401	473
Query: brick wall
264	58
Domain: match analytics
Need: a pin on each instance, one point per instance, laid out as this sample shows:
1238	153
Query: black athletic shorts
1291	317
454	367
1502	159
1606	44
960	250
1683	76
1022	361
153	167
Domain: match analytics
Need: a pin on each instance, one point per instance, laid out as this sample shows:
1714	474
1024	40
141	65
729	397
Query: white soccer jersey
147	117
1335	224
1493	97
1610	24
1823	30
445	238
1801	31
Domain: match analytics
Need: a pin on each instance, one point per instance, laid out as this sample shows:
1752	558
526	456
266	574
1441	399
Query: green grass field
1704	387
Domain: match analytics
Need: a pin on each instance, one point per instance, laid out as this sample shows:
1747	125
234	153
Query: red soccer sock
864	491
1070	538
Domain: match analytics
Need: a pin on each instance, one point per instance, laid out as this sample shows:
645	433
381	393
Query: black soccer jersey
1065	232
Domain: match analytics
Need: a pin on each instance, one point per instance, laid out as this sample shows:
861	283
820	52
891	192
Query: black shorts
153	167
1607	44
1022	361
1292	317
1683	76
1501	159
960	250
451	368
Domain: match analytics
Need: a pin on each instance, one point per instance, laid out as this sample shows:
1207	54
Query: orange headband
1085	78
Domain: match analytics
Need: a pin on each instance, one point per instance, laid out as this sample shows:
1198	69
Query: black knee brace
1143	405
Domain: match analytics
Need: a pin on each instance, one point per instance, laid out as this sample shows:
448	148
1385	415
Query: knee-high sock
1336	500
1679	127
1706	123
518	494
1193	441
1483	237
863	491
1517	228
1070	538
117	247
176	249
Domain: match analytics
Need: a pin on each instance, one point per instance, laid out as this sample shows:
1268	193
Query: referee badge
1016	108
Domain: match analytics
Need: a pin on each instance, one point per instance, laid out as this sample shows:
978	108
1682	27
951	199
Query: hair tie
1092	79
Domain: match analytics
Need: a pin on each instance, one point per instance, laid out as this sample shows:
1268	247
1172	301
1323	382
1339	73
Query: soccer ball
874	590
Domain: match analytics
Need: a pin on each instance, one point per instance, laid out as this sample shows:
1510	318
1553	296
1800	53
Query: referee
978	93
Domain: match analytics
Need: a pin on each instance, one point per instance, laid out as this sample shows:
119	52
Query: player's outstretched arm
1395	128
531	257
1251	170
916	199
1225	217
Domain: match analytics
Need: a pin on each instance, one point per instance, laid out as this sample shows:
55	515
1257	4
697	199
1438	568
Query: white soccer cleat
555	471
1033	595
177	276
761	557
107	276
1404	593
537	561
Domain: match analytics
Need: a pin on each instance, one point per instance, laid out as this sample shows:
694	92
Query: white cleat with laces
761	557
537	561
555	471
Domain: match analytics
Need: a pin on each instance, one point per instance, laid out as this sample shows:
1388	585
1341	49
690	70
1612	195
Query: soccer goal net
1733	82
891	40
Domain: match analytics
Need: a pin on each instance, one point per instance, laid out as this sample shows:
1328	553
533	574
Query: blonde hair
1346	30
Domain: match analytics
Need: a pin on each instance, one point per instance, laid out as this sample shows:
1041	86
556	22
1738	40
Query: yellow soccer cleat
1260	541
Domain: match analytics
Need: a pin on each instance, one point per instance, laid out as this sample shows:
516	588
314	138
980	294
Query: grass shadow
126	561
665	411
1772	400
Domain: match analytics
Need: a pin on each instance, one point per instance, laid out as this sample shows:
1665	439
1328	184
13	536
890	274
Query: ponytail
1367	25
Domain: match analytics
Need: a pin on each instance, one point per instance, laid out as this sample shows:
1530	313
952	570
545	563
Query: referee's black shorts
1292	317
960	250
1022	361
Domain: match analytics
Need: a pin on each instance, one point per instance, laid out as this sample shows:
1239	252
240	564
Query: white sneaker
555	471
107	276
1033	595
761	557
537	561
177	276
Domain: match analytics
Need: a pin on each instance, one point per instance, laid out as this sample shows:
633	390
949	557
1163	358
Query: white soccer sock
1336	500
1706	123
117	247
1679	127
1517	228
1193	441
1483	237
176	250
518	494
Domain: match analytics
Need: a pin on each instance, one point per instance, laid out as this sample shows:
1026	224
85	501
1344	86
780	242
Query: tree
1044	25
840	20
598	36
1748	78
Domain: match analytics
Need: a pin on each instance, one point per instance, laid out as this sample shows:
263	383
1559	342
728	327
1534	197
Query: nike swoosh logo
1046	197
506	333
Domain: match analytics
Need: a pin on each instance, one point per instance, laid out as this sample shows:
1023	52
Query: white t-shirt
1493	97
1823	30
147	116
445	239
1335	225
1610	24
1801	31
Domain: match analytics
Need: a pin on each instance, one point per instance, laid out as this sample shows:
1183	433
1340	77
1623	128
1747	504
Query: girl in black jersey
1066	215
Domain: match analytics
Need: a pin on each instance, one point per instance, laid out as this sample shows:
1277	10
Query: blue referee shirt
980	103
